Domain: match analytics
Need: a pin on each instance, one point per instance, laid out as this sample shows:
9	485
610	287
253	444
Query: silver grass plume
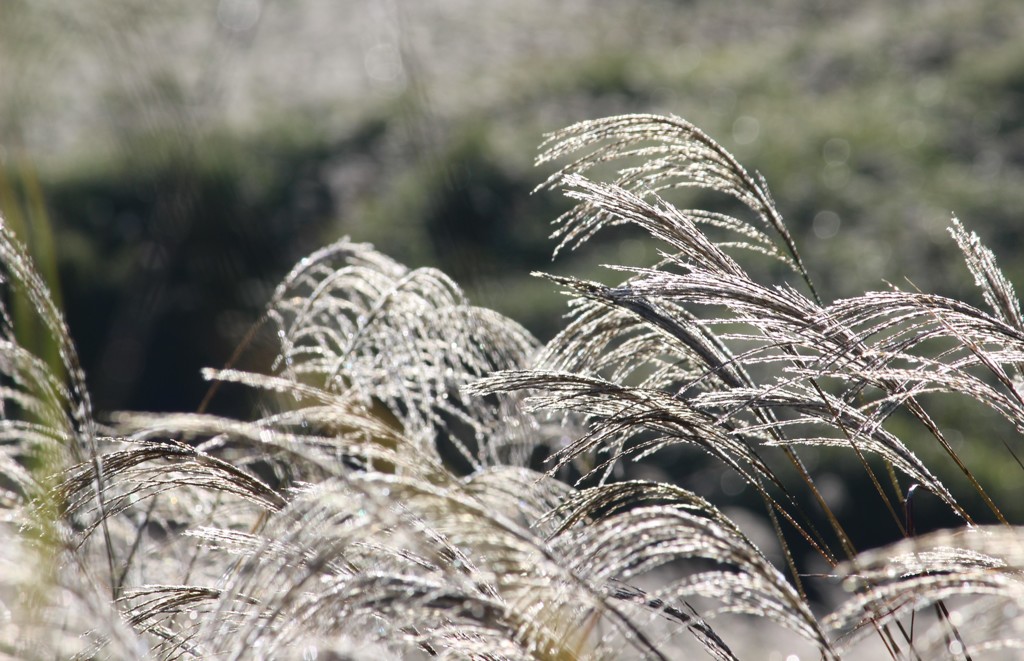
54	600
981	566
365	536
695	352
379	502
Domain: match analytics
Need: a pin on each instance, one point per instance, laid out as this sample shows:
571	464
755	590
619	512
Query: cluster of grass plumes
382	501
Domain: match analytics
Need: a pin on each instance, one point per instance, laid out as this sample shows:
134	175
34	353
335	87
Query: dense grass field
422	477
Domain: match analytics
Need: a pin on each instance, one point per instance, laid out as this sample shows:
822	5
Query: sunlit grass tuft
384	498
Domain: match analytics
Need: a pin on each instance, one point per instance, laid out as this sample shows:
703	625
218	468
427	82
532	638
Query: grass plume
383	498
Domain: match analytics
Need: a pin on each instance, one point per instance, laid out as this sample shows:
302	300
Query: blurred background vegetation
168	162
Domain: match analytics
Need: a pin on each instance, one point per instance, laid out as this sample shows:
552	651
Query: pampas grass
382	500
